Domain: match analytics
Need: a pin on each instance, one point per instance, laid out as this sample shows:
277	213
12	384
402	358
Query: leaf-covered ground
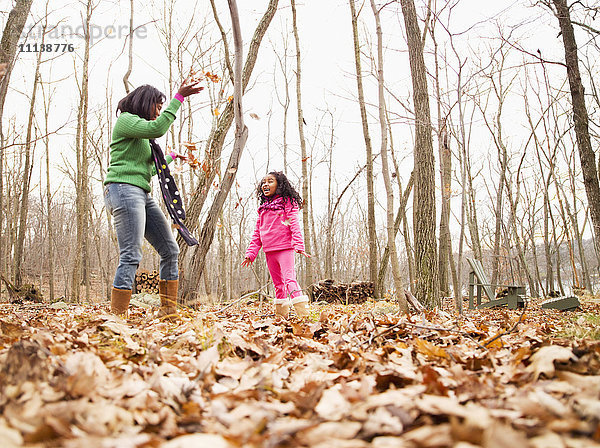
351	376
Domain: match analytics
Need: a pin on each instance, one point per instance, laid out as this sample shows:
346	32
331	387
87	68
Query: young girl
127	193
278	232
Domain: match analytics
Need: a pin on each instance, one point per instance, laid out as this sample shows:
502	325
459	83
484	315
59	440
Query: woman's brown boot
119	301
167	290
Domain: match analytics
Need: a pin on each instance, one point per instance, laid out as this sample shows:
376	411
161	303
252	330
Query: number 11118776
47	48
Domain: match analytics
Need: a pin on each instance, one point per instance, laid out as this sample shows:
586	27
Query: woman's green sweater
130	154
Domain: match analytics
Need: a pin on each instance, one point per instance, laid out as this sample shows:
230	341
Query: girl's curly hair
284	189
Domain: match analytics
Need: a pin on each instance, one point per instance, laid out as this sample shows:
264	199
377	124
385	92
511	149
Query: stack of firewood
344	293
146	281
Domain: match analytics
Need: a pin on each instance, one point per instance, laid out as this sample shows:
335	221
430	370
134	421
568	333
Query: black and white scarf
170	194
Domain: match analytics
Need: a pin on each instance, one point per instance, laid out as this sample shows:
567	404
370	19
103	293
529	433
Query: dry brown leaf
9	437
429	349
499	435
431	436
388	442
329	430
87	373
546	440
382	422
586	384
542	361
333	405
198	440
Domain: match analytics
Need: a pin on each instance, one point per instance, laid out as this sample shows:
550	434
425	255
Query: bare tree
81	259
580	116
285	103
306	209
49	227
427	278
390	225
27	169
8	51
371	225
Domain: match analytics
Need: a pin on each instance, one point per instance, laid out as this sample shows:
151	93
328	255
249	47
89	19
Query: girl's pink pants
283	272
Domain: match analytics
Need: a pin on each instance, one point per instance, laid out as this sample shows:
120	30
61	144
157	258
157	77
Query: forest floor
349	376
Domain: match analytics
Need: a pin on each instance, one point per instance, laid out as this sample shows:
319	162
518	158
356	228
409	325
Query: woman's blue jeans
136	215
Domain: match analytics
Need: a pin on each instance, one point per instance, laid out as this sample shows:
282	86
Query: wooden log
344	293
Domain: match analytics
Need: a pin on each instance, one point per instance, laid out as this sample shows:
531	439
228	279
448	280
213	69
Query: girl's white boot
301	306
282	307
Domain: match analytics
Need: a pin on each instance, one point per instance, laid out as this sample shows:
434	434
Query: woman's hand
246	262
301	252
188	88
175	155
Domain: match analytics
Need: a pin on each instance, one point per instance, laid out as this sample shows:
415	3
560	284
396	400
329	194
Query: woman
127	193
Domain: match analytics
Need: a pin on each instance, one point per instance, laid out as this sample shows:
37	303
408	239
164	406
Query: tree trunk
222	261
8	45
369	151
580	118
27	168
241	135
329	229
130	57
446	180
8	50
427	279
49	229
400	216
306	209
81	261
390	225
445	156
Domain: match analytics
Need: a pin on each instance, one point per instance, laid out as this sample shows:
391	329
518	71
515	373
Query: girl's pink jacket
277	228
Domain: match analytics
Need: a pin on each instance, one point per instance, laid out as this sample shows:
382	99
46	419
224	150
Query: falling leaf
254	116
212	77
216	112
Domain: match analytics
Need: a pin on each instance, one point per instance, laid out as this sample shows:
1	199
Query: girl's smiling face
269	185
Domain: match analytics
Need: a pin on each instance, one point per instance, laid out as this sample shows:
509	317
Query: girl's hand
188	89
301	252
246	262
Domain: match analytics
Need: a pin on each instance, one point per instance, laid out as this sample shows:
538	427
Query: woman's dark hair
284	189
141	101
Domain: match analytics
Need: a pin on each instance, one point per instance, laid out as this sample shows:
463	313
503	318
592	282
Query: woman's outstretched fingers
189	89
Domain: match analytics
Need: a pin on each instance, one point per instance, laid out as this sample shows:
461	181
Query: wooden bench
515	297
